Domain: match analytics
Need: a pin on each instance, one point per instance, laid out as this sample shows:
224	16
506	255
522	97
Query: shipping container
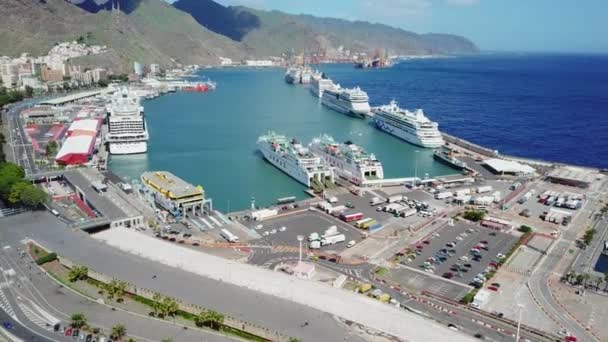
335	211
351	217
443	195
332	199
407	212
394	199
485	188
333	230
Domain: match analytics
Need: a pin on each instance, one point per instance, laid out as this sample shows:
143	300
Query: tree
78	320
474	215
169	307
32	196
586	277
167	339
16	190
78	273
598	282
210	318
156	304
118	331
51	148
29	91
293	339
116	289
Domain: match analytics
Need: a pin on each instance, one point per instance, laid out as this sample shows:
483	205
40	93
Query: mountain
152	32
308	33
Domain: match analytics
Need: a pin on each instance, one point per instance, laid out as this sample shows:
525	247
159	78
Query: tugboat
447	156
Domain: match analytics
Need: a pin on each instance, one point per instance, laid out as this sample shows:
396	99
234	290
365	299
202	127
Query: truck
313	237
485	188
315	244
497	196
443	195
324	206
337	210
263	214
346	217
332	199
333	230
462	192
375	201
330	240
226	234
407	212
523	199
395	198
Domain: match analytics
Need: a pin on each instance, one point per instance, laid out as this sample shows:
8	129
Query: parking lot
362	205
419	281
305	223
457	261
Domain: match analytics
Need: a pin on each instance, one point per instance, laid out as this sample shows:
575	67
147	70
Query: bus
351	217
226	234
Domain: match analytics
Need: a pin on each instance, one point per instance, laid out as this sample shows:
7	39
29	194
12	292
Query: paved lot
362	205
305	223
500	243
418	281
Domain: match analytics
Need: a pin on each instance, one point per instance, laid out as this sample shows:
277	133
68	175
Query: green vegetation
47	258
381	271
118	331
525	229
51	148
167	339
116	289
78	273
12	96
78	320
209	318
468	298
15	190
588	237
474	215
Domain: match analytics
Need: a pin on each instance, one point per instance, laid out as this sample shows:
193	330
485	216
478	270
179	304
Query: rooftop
574	174
508	166
102	204
171	185
74	97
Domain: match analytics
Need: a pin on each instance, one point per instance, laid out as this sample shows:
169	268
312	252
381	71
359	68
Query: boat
298	75
380	60
354	102
320	83
296	160
200	87
127	129
413	127
447	156
349	161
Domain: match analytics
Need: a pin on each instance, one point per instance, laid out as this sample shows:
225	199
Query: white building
138	68
154	69
259	63
225	61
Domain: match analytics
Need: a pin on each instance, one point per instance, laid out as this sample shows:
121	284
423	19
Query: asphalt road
268	311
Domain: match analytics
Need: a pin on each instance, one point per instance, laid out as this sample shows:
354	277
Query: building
508	167
80	144
573	177
51	75
259	63
154	69
138	69
9	72
225	61
174	194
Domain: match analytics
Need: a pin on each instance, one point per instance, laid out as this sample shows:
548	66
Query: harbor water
210	138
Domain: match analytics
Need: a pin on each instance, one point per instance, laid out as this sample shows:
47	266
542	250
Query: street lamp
300	239
518	322
416	167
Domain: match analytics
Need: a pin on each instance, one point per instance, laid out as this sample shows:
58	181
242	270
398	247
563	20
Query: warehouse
79	145
572	177
508	167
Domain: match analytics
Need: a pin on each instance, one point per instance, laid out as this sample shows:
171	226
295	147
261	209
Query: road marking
6	305
34	318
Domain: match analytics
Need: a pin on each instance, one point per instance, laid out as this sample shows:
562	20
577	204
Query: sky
494	25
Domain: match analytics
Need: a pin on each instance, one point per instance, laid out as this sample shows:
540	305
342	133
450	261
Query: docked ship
413	127
447	156
127	129
354	102
320	83
349	161
298	75
295	160
380	60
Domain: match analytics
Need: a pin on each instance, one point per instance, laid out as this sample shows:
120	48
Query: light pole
416	167
300	239
518	322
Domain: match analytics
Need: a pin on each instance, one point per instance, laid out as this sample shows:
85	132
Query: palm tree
579	279
78	273
118	331
169	306
78	320
210	318
156	304
598	282
167	339
586	278
116	289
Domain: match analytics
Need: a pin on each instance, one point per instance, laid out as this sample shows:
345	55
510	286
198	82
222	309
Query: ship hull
405	135
448	162
124	148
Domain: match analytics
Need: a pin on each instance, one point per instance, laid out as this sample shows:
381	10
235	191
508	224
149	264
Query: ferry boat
349	161
298	75
127	129
319	84
201	87
354	102
295	160
413	127
447	156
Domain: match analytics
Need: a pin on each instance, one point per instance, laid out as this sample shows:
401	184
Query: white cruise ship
354	102
413	127
350	161
294	159
298	75
127	129
319	84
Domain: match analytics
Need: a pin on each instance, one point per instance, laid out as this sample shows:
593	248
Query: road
280	315
34	286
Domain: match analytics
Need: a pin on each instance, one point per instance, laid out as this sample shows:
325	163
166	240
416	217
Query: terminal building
174	194
572	177
508	167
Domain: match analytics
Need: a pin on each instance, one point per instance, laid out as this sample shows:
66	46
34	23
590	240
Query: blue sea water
550	107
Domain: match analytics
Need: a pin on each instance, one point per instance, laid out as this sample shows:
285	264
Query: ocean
538	106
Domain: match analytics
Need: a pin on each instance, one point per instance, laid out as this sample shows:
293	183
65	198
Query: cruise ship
354	102
298	75
413	127
349	161
319	84
295	160
127	129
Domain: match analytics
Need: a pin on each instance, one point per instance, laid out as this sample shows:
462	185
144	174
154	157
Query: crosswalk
356	273
35	318
5	305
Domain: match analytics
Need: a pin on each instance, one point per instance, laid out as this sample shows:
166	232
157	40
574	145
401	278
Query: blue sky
507	25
